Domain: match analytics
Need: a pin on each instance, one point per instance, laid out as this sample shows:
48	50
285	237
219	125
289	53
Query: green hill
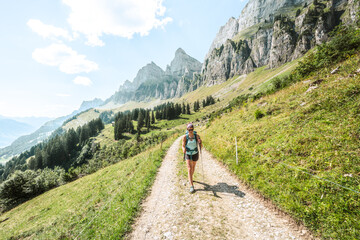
98	206
299	147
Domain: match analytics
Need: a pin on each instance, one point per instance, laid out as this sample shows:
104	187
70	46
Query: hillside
106	200
299	147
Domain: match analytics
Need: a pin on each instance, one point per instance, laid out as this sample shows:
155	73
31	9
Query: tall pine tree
140	121
152	117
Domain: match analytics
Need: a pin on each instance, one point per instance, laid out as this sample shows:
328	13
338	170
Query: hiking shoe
192	189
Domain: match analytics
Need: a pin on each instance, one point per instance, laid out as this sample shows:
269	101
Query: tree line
209	100
170	111
45	165
146	118
60	150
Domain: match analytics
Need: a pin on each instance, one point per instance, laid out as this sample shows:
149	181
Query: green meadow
297	146
98	206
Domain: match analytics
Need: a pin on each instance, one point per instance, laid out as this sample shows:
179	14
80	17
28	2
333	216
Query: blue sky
56	54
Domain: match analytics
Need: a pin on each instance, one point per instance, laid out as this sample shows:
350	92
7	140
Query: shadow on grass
220	188
125	137
187	118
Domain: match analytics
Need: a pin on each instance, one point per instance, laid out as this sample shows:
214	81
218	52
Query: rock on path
221	207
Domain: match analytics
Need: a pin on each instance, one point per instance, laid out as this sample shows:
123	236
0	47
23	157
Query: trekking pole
202	164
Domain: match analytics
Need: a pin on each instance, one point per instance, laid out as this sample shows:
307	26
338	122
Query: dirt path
221	208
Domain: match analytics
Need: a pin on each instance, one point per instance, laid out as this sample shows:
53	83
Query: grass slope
303	130
98	206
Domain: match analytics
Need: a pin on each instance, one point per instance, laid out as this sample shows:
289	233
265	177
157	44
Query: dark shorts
194	157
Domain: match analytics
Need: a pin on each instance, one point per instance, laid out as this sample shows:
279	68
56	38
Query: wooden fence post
237	161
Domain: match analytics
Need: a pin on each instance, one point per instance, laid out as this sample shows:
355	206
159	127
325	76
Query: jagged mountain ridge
253	13
272	33
153	82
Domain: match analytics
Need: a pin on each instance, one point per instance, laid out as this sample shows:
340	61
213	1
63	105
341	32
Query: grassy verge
315	130
98	206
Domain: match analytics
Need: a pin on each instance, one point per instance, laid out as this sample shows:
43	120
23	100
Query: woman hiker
191	152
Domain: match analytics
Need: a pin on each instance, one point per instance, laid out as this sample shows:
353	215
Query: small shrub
259	114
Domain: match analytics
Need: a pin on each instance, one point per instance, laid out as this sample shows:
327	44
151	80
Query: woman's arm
183	144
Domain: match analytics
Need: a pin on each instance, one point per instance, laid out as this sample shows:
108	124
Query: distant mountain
11	129
151	81
25	142
35	122
90	104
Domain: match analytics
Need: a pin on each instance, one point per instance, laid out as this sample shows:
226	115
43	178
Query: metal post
237	161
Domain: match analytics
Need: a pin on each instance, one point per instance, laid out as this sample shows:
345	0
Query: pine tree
188	109
163	114
183	109
140	122
118	130
38	159
158	114
71	140
152	117
32	163
84	134
147	119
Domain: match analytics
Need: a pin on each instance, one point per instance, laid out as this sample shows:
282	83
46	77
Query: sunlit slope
250	83
309	128
98	206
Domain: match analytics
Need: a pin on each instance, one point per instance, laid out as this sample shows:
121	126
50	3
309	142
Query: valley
281	141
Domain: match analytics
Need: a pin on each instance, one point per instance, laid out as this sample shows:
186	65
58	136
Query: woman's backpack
187	138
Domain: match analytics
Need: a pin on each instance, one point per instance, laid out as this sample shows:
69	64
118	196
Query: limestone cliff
272	33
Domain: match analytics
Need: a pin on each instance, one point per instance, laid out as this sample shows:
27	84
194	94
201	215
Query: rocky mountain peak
150	72
96	102
272	32
127	86
228	31
180	51
183	64
255	12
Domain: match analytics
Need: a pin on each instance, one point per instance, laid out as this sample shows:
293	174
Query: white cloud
122	18
48	31
62	56
82	81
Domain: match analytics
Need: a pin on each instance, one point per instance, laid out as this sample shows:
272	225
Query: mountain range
267	33
153	82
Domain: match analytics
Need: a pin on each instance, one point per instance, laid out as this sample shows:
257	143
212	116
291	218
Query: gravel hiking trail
221	208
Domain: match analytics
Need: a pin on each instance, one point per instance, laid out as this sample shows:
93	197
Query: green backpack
187	138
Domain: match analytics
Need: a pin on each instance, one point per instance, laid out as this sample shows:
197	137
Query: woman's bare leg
193	164
190	171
